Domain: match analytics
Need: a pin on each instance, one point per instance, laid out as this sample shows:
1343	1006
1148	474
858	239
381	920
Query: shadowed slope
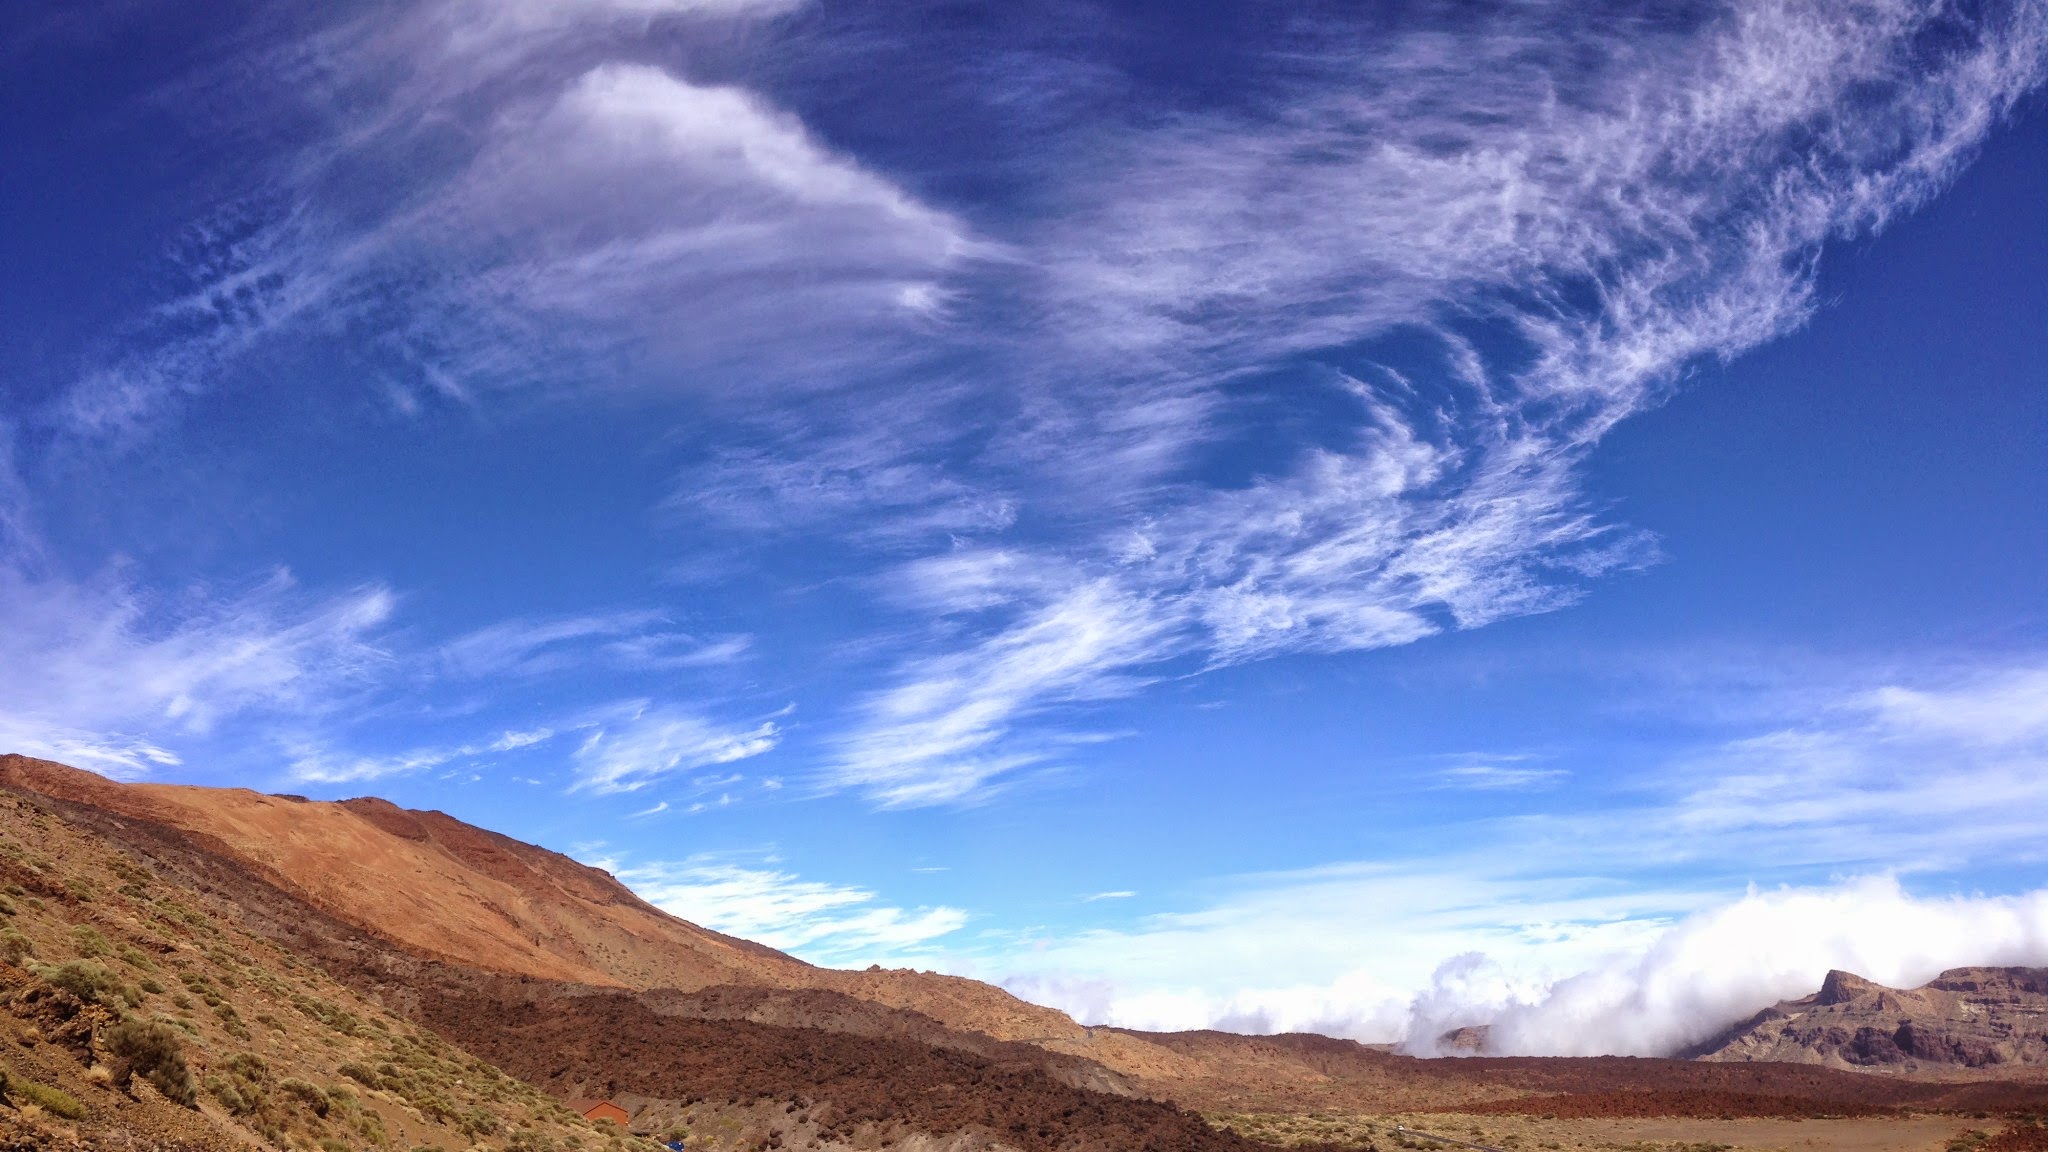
459	927
441	889
1965	1021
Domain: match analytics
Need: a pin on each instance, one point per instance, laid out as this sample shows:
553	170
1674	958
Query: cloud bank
1717	967
1615	930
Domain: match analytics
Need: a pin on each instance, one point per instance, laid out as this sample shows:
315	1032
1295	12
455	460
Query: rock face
1967	1019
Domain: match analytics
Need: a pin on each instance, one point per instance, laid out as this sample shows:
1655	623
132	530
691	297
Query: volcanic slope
293	1028
136	1014
539	955
437	888
1967	1021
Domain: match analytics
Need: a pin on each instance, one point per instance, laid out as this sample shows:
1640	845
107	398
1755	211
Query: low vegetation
113	978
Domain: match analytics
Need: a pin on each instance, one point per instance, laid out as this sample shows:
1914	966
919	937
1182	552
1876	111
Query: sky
1268	516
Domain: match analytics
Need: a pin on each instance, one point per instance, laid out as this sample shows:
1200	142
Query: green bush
156	1051
309	1095
135	958
361	1075
230	1095
231	1020
88	981
14	947
52	1100
89	941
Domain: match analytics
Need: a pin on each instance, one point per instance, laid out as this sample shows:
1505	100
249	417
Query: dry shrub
90	941
155	1050
305	1093
14	947
55	1101
90	982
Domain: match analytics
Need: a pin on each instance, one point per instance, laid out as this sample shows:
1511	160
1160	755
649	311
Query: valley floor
1915	1133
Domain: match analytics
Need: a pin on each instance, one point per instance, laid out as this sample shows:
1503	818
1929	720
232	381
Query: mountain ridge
864	1054
1965	1020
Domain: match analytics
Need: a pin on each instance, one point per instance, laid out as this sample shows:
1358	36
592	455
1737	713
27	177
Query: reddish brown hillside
434	885
419	912
441	889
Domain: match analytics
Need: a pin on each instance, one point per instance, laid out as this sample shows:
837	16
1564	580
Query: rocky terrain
1967	1019
135	1013
353	975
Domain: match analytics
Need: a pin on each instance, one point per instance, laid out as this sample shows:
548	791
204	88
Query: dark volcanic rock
1967	1018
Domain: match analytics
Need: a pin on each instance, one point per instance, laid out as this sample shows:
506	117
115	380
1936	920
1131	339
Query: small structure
600	1110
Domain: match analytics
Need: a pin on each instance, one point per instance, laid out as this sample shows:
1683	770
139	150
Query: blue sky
1244	515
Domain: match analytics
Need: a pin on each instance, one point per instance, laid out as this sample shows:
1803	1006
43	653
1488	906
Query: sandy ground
1925	1133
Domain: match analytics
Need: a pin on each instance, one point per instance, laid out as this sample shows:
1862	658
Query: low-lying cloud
1666	986
1717	967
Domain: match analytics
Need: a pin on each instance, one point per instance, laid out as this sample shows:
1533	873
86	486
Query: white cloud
119	677
549	210
825	923
1614	930
107	753
2005	708
1500	777
1721	965
1408	955
697	220
1341	949
317	765
1914	775
941	735
1609	205
642	743
636	640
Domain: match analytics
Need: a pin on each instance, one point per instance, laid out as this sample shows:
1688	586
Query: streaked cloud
1499	776
1484	259
113	677
638	744
1570	239
635	640
818	921
316	765
554	209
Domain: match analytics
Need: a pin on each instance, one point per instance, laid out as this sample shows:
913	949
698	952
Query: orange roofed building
600	1110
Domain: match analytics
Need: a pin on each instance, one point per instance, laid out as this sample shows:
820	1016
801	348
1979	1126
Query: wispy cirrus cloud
641	743
1309	369
1570	239
640	640
1491	776
550	207
112	678
318	765
946	733
822	922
